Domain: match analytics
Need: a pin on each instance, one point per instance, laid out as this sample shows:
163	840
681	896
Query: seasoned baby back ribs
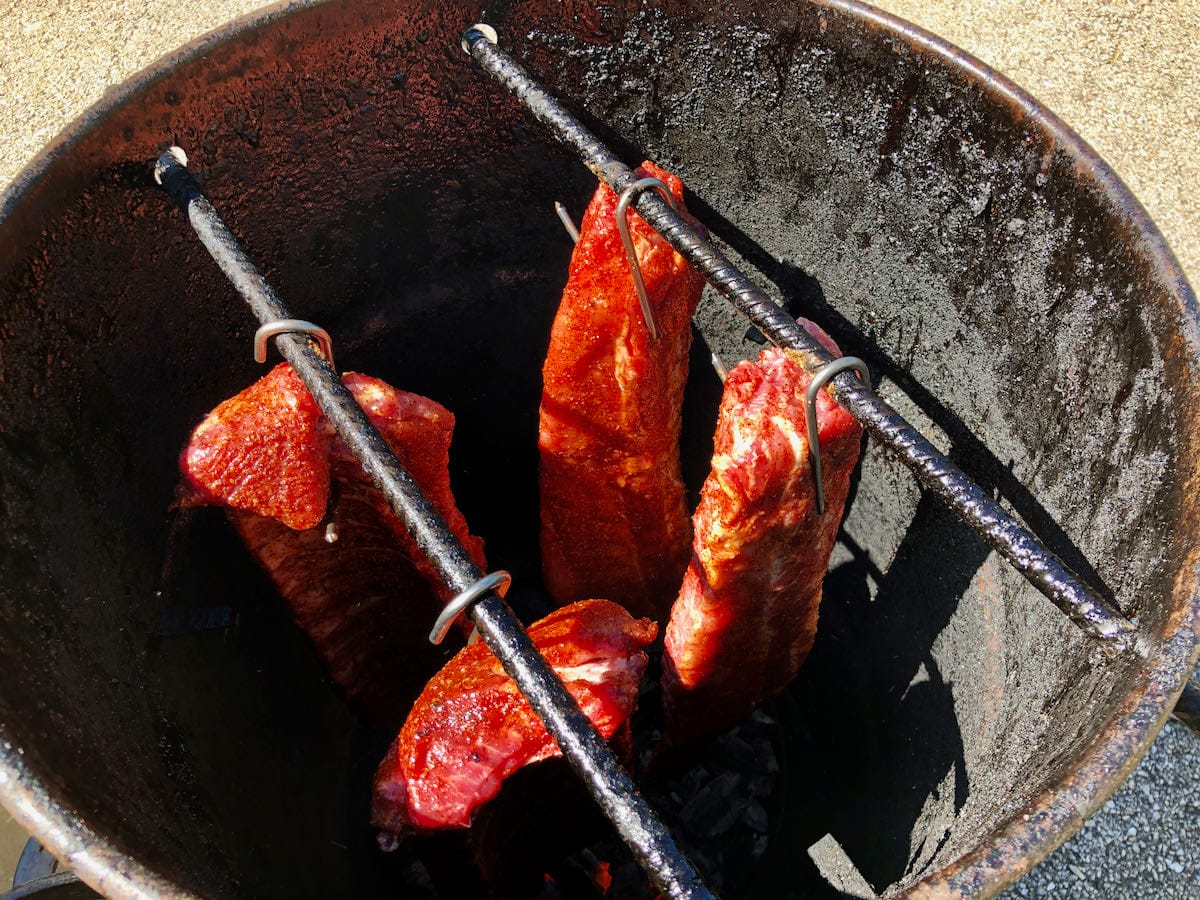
746	615
471	727
614	520
368	599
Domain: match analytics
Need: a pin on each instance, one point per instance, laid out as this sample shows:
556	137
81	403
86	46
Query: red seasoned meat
614	520
746	615
368	600
471	728
264	450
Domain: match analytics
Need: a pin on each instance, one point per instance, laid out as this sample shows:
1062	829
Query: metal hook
290	326
569	224
810	414
565	218
497	581
635	267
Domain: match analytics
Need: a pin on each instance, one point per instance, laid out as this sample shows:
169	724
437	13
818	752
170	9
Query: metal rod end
568	222
479	31
171	156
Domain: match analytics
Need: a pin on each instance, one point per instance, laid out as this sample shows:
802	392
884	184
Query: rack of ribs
746	615
613	513
367	600
471	727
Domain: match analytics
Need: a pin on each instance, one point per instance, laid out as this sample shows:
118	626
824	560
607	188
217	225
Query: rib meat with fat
614	520
471	727
746	615
367	600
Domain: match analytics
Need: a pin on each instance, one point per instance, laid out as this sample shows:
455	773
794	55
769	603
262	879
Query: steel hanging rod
933	469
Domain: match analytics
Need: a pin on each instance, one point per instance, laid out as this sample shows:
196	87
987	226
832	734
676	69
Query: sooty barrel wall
1002	286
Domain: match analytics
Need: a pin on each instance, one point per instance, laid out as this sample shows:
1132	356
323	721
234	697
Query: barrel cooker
1009	296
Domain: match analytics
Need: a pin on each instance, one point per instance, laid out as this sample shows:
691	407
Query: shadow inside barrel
869	746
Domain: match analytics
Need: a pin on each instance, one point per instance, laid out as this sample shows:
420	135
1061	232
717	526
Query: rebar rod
583	747
933	469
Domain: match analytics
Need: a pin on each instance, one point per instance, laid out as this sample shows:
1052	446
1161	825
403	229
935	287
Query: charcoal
770	763
759	786
713	811
718	806
731	752
762	718
755	817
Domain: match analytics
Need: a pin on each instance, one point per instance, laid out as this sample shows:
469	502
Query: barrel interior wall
395	198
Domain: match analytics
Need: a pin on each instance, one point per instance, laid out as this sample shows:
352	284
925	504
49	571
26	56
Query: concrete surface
12	839
1123	73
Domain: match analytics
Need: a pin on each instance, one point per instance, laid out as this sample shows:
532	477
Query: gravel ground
1144	843
1122	72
